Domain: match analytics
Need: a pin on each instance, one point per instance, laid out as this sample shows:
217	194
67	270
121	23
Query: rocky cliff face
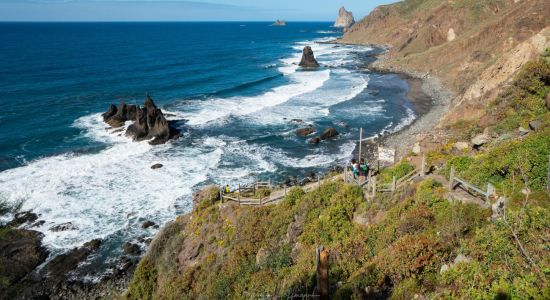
474	47
345	18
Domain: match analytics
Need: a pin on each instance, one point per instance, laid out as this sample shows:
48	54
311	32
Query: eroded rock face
308	59
345	18
149	122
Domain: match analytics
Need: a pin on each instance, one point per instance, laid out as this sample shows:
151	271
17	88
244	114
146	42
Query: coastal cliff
475	47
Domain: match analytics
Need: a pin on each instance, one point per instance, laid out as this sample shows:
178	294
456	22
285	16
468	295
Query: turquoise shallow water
234	87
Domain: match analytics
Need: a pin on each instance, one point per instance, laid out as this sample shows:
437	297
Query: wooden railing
455	181
372	186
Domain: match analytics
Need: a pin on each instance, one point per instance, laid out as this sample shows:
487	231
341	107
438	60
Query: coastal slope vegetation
415	243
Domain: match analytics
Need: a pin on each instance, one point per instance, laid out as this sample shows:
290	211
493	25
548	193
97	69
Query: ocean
234	87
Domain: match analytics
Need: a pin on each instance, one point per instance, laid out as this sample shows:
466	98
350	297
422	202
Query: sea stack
345	18
308	59
149	122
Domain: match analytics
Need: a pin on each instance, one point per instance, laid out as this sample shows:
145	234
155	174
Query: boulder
345	19
149	122
63	227
329	133
132	249
314	141
523	131
157	166
147	224
479	140
461	146
305	131
308	59
535	125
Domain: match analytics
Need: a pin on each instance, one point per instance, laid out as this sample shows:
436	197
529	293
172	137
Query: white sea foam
98	192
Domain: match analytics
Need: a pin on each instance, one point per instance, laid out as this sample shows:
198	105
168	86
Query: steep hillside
416	243
474	46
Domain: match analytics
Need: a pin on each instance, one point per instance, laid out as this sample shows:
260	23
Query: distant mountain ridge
468	44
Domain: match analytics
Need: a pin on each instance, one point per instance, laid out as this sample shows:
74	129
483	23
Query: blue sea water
234	87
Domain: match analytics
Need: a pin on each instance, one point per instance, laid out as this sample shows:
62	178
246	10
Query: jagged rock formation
149	122
308	59
345	18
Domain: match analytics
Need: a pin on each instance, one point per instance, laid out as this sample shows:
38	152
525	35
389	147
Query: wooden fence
237	194
455	181
372	186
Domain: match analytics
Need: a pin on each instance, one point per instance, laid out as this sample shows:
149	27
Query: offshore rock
149	122
279	23
345	18
305	131
329	133
308	59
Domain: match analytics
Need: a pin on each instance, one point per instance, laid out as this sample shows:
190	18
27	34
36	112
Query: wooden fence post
423	167
451	177
318	181
490	191
360	142
394	184
374	186
285	189
221	196
322	256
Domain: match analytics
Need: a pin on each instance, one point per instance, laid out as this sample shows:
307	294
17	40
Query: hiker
227	190
364	167
354	168
363	170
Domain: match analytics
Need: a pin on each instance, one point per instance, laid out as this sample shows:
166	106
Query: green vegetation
396	246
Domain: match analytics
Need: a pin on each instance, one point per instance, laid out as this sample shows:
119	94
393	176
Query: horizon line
164	21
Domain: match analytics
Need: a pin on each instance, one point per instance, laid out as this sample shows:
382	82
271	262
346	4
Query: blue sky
181	10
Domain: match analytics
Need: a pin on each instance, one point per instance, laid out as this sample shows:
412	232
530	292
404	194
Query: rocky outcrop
58	268
308	59
548	101
305	131
149	122
21	251
345	18
329	133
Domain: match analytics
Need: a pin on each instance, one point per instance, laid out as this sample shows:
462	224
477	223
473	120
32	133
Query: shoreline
427	94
